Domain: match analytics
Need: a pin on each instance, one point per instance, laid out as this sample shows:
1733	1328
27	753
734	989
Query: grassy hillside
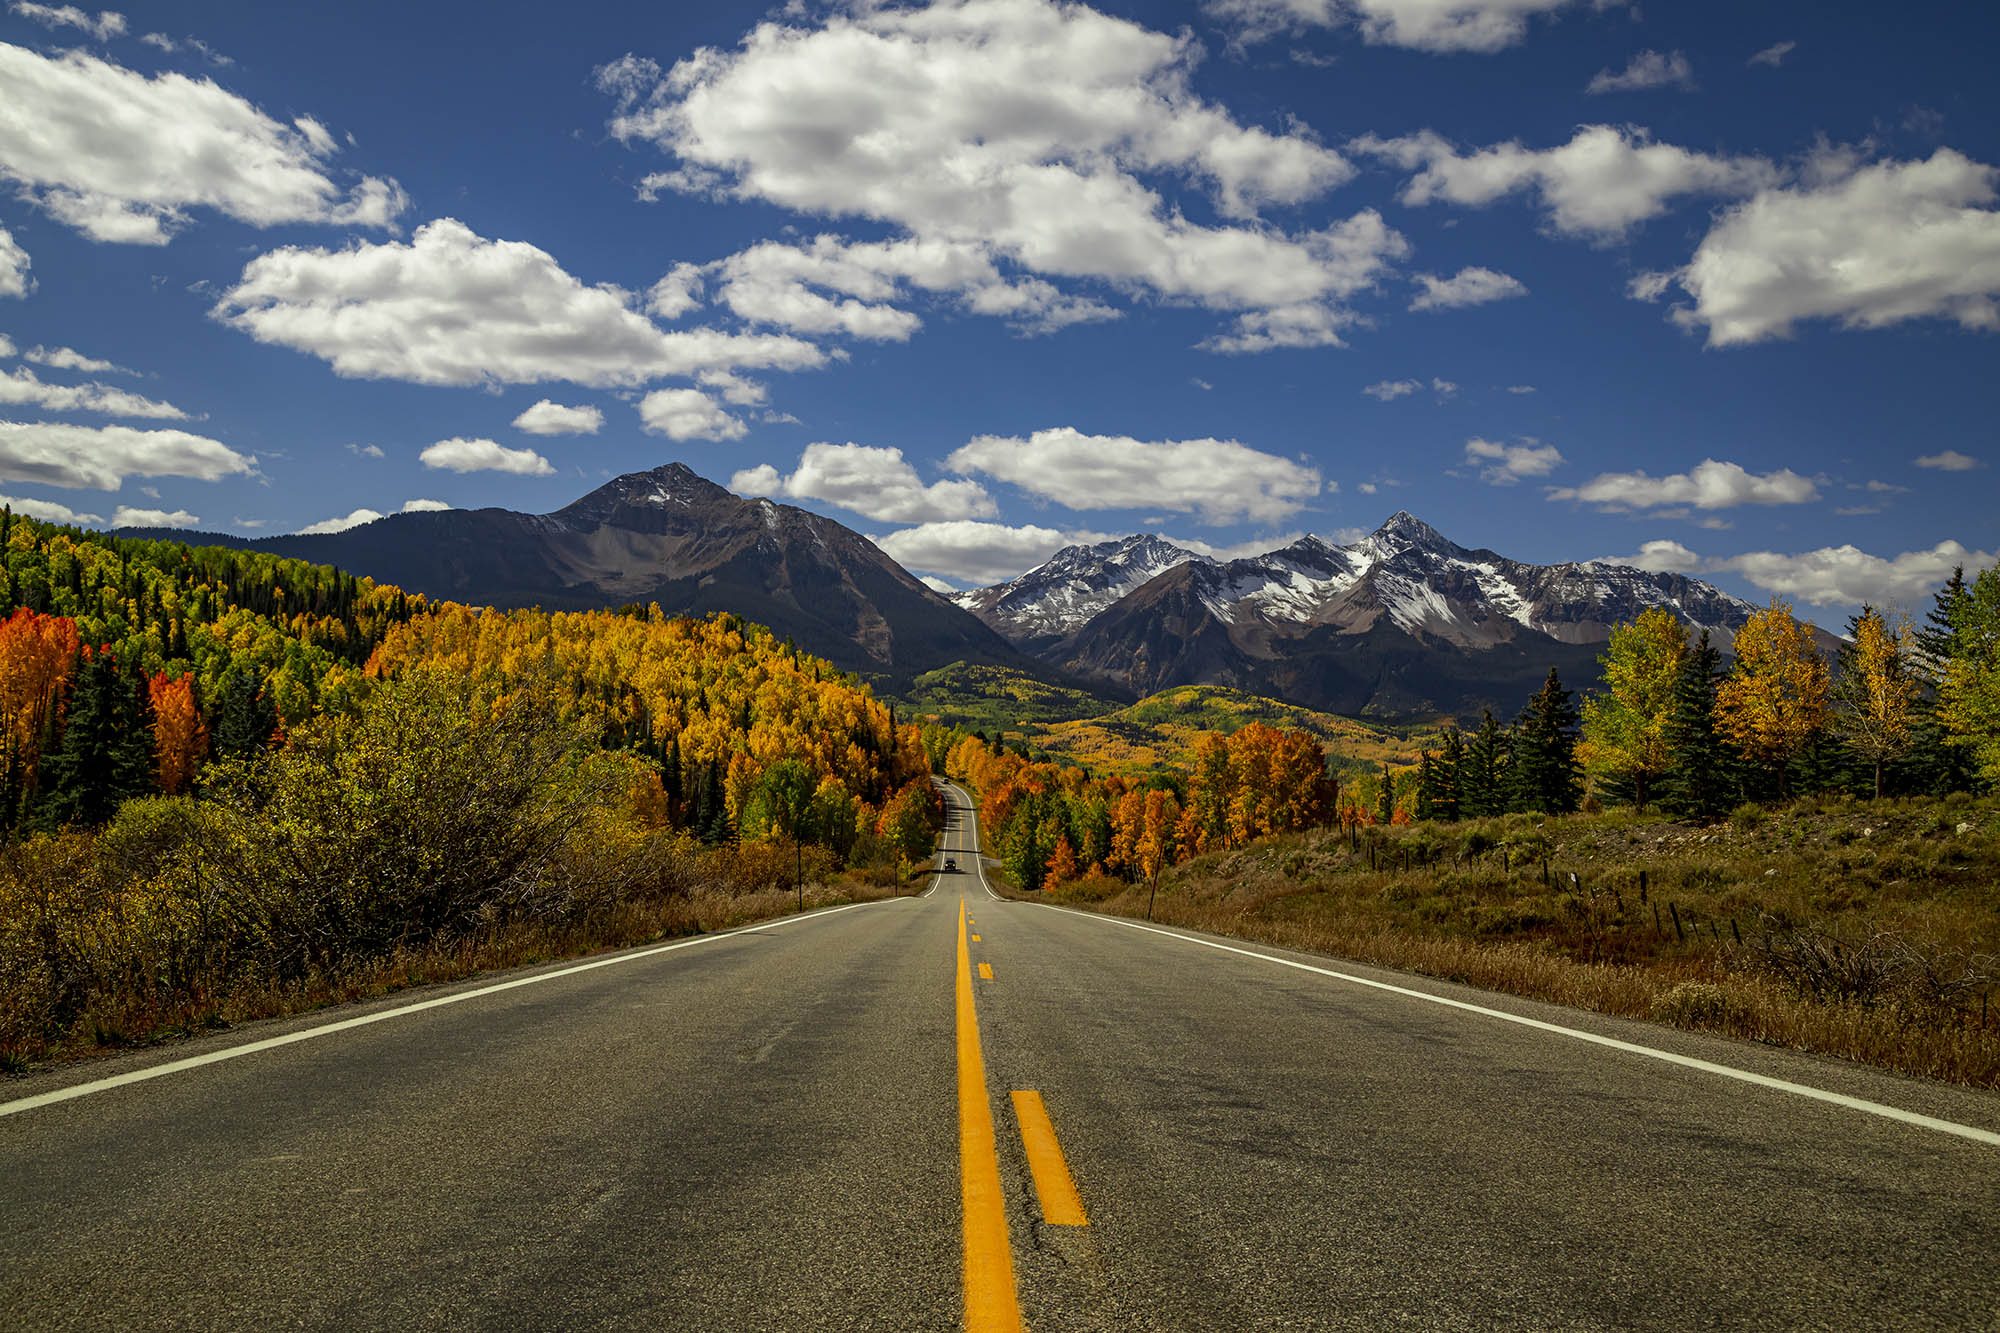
995	699
1163	729
1159	730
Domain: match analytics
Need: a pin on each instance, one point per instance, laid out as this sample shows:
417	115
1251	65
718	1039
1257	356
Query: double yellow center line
991	1300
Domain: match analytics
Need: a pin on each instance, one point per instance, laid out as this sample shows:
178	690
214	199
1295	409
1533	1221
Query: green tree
1875	689
1969	693
246	717
782	802
1385	799
1699	780
105	753
1447	777
1544	773
1942	766
1480	782
1624	726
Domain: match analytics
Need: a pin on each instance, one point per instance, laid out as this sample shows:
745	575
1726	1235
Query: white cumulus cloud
1505	464
104	25
23	388
1649	69
68	358
831	285
1600	184
1438	26
478	455
1658	557
424	506
353	519
552	418
1220	481
1844	575
1709	485
874	482
1469	286
1019	137
1951	460
125	516
59	454
974	553
1865	245
1387	391
14	279
451	307
1773	55
122	157
49	511
688	414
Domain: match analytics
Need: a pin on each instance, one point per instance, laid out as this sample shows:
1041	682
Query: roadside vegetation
1786	850
237	786
1863	929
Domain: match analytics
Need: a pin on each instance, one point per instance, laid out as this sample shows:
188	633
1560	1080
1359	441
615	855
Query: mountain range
1401	624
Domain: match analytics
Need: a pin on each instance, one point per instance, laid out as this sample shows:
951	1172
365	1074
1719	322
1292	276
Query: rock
1964	829
1772	871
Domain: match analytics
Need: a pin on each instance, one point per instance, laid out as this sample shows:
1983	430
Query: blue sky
1708	287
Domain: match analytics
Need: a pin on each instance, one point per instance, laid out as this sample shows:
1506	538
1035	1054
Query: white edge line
343	1025
1633	1048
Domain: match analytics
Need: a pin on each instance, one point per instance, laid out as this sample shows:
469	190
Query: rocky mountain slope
672	537
1402	623
1058	597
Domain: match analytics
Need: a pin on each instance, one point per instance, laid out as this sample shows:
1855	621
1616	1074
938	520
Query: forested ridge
229	774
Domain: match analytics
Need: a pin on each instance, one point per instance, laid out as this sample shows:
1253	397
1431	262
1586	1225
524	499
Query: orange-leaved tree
180	738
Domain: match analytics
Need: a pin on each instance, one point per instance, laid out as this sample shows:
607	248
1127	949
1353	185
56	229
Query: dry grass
1868	931
141	1016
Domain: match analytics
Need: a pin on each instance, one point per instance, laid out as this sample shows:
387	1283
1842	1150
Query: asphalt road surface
952	1111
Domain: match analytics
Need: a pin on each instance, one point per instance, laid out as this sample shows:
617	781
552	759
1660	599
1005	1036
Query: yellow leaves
1775	699
1624	727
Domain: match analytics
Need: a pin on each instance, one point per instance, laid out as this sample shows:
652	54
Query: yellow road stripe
975	939
985	969
990	1300
1061	1205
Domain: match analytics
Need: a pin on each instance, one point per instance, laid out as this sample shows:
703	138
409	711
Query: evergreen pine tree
1427	791
1938	765
1545	775
1479	784
105	754
245	715
1448	776
1700	777
1385	803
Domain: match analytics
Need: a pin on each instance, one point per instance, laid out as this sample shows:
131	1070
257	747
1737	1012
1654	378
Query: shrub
1698	1004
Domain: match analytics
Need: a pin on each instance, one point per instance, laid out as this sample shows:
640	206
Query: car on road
950	864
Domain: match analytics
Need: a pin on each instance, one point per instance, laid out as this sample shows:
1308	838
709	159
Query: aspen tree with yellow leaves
1625	725
1774	701
1877	689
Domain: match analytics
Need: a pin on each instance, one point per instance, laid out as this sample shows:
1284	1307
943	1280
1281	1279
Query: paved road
776	1129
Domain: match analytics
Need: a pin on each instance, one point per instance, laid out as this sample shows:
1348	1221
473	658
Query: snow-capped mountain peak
1065	591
